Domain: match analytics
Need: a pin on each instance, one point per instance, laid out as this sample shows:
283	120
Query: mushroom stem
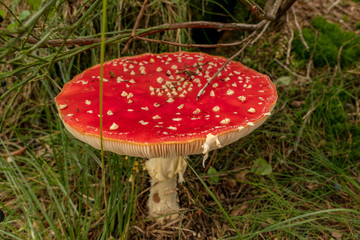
163	201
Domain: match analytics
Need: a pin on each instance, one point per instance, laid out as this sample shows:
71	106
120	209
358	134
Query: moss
329	41
358	25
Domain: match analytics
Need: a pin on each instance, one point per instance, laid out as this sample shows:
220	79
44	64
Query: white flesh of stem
163	201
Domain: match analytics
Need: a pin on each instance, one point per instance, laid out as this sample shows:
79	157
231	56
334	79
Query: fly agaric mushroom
150	111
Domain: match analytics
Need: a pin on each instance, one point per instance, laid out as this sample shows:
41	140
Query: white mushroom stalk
163	201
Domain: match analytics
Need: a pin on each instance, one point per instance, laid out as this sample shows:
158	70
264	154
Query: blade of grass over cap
102	57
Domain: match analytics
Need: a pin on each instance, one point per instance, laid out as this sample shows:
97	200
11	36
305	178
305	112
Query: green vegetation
331	43
358	25
296	177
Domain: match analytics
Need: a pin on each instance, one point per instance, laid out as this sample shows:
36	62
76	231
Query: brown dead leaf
239	211
232	183
198	212
312	186
297	103
241	175
14	153
336	235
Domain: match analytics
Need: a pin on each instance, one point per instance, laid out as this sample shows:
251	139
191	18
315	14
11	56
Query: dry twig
271	15
248	41
14	153
277	10
264	25
68	42
288	69
196	24
261	33
256	9
299	29
284	7
333	5
340	51
290	40
191	45
305	119
310	63
136	25
273	12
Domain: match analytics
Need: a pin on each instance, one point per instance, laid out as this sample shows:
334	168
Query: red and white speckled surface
151	99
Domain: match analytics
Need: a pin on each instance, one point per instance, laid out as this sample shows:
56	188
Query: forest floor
50	183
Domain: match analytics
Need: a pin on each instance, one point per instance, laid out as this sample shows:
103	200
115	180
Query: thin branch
289	70
210	161
277	10
68	43
333	5
285	6
290	40
255	9
248	39
160	28
341	49
136	25
264	25
262	32
191	45
272	14
310	63
301	131
299	29
14	153
204	24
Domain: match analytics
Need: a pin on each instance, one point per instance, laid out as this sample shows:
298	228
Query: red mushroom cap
150	107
